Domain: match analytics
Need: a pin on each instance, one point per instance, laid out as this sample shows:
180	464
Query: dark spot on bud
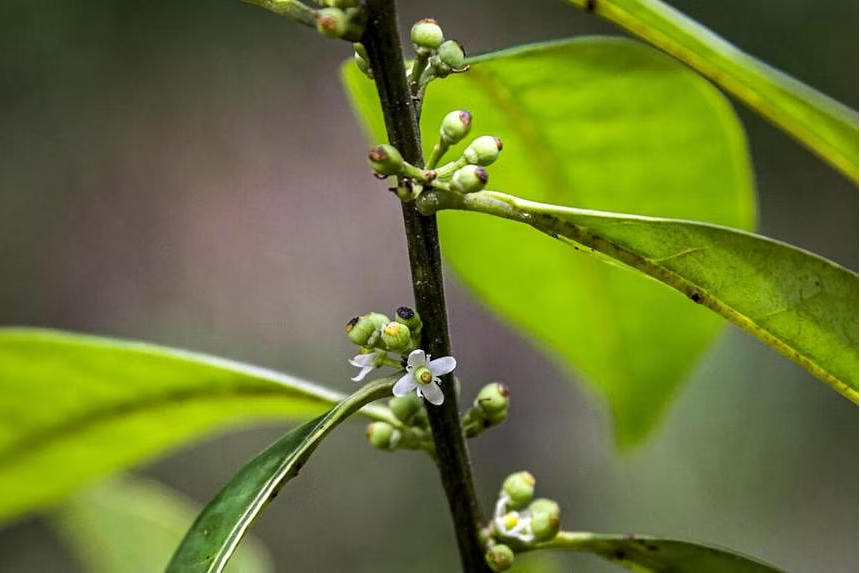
465	117
430	175
498	143
351	324
503	390
481	173
429	21
405	312
696	297
378	153
327	22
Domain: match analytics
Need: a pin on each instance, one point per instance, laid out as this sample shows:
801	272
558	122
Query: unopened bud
383	435
386	160
406	407
520	488
363	64
455	126
469	179
492	399
426	33
332	22
396	336
451	53
499	558
409	317
483	150
361	328
544	526
544	505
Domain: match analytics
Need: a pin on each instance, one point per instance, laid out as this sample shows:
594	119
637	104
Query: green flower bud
455	126
363	64
332	22
483	150
469	179
519	487
359	330
409	317
544	505
406	407
360	49
383	435
426	33
386	160
451	54
396	336
499	558
544	526
492	399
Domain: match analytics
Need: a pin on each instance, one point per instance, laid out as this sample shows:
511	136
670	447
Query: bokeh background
189	173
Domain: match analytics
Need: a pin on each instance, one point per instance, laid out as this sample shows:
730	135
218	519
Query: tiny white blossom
423	376
512	523
366	362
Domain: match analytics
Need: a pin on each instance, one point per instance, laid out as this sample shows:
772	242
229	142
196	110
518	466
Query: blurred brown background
189	173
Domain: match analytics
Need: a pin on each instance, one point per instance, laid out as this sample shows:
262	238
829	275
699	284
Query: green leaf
653	554
604	124
802	305
219	528
76	407
825	126
134	525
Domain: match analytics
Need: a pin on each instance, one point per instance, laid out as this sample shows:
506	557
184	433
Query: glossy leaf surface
823	124
216	533
134	526
649	554
75	407
604	124
802	305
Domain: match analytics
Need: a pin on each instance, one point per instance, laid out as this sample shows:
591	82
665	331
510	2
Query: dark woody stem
382	43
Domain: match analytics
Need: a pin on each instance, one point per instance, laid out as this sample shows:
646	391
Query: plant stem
382	43
291	8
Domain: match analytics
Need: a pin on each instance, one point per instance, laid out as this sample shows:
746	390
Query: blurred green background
189	173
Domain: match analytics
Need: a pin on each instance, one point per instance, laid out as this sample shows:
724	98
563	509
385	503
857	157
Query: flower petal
417	358
432	393
361	375
363	360
442	365
404	386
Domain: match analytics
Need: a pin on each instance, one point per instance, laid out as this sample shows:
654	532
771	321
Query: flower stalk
386	59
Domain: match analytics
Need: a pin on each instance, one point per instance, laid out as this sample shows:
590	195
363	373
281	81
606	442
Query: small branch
291	8
382	43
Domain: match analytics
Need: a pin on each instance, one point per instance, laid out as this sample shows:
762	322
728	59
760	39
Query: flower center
423	375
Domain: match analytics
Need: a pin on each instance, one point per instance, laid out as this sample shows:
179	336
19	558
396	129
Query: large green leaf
802	305
134	525
604	124
219	528
654	554
75	407
826	126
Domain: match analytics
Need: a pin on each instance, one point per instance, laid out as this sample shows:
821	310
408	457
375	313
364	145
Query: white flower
366	362
512	523
423	376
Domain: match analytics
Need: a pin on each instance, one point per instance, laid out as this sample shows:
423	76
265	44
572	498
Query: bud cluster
519	521
341	19
435	56
490	408
467	174
374	331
